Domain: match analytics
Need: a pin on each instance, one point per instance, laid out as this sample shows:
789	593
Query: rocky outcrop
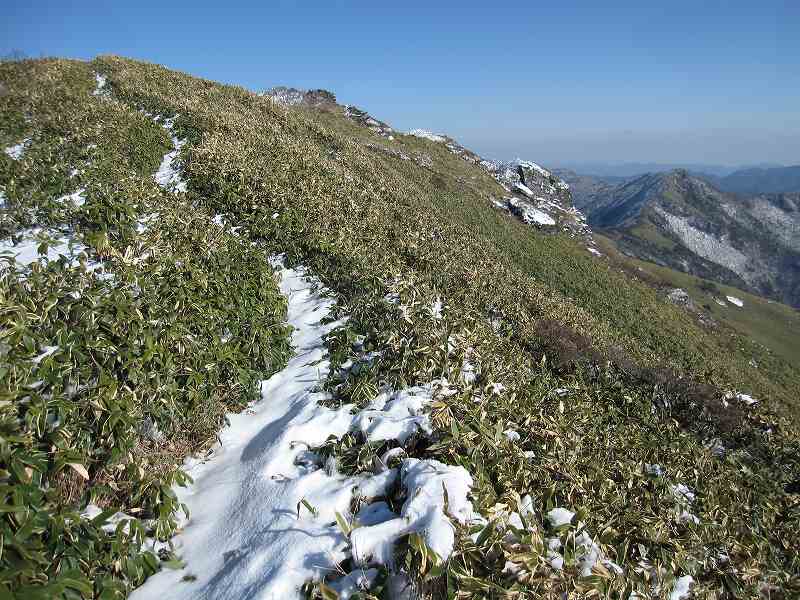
293	97
538	196
363	118
679	297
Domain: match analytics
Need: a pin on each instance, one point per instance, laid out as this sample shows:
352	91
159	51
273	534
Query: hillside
770	323
259	347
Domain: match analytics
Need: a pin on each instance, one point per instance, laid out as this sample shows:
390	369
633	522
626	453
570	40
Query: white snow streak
422	133
168	175
735	301
76	198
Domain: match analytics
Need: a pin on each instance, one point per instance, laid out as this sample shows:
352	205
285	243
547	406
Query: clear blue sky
700	81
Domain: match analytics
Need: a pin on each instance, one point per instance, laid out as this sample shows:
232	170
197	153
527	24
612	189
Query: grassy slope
369	224
770	323
139	339
592	297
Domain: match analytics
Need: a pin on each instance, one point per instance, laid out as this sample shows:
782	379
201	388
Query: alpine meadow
264	345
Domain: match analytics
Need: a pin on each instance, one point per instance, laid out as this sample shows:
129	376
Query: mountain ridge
681	220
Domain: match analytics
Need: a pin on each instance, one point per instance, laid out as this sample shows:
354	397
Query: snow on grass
735	301
145	221
744	398
430	486
353	583
17	150
92	512
168	175
395	415
681	588
27	249
436	308
594	251
76	198
684	497
655	470
747	399
100	85
422	133
263	508
46	351
587	553
720	302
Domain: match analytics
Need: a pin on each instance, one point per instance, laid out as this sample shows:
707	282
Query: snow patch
16	151
92	511
525	190
708	246
681	588
353	583
427	482
684	497
76	198
560	516
532	165
529	214
654	470
735	301
100	85
422	133
46	351
395	415
26	251
745	398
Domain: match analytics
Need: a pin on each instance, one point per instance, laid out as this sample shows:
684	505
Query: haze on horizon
710	83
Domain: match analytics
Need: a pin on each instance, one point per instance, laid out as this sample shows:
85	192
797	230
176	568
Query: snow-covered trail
243	502
168	175
263	508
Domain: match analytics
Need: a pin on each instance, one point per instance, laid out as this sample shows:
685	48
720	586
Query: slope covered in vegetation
572	384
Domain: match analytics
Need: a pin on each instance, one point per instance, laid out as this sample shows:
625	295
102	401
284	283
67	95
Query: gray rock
679	297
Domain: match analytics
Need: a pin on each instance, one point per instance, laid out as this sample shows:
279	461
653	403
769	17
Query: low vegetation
599	377
770	323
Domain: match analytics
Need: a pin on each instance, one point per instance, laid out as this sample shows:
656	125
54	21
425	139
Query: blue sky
557	82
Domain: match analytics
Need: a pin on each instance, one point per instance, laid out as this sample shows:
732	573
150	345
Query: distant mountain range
634	169
759	180
750	180
684	221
